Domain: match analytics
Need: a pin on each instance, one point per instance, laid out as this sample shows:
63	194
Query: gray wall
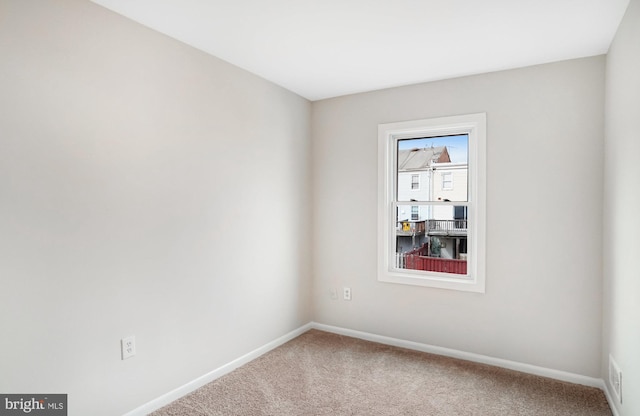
149	189
621	203
146	188
544	201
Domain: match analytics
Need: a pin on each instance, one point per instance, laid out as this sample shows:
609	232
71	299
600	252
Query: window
444	245
447	181
415	215
415	181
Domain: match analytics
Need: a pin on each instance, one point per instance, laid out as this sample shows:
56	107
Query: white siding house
450	181
415	179
449	184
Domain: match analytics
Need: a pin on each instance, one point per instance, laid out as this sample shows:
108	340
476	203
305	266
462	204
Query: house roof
421	158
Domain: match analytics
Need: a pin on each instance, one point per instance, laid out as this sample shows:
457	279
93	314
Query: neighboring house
414	172
415	183
449	223
427	174
450	181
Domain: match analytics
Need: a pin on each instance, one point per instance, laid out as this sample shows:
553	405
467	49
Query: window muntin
444	245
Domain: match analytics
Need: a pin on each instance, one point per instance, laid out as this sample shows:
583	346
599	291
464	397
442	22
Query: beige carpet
326	374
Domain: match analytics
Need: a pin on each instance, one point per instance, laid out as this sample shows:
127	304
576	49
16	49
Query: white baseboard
175	394
478	358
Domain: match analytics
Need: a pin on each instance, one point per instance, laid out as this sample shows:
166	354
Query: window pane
432	169
435	241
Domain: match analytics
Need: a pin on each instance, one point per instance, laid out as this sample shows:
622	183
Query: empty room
319	207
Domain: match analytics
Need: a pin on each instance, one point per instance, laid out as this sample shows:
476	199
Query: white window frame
474	125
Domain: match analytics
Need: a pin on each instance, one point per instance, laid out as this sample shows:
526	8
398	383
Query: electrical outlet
615	378
128	346
346	293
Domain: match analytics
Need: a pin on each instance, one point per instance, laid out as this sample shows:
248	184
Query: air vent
615	378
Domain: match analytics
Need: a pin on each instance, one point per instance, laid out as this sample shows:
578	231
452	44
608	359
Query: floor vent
615	378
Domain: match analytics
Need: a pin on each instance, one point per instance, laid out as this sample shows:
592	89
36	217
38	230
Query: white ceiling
327	48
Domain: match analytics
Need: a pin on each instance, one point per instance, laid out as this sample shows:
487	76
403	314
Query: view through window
431	220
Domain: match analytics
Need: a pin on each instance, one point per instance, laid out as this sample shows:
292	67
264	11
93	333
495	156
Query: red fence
417	260
435	264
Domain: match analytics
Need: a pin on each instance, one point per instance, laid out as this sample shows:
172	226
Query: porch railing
447	226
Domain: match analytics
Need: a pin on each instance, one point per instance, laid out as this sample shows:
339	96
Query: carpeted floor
320	373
